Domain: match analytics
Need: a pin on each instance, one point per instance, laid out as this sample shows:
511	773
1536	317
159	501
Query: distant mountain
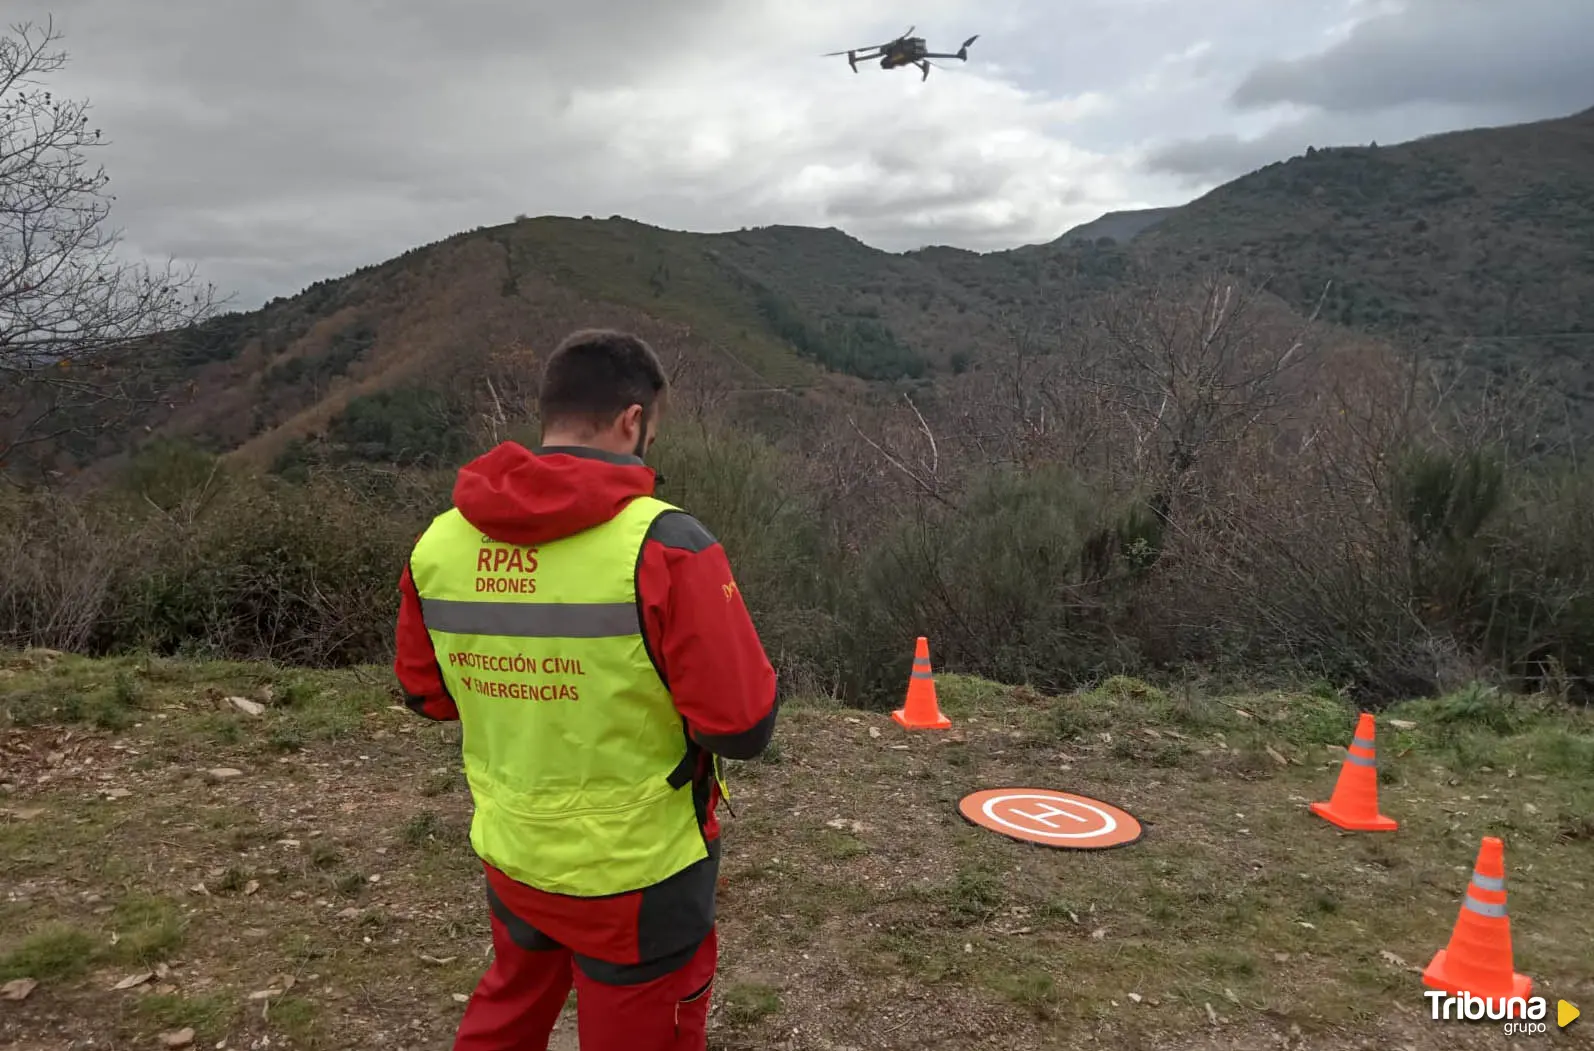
1479	243
1117	226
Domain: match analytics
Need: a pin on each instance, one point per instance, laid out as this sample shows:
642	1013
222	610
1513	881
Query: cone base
1437	976
1377	823
940	722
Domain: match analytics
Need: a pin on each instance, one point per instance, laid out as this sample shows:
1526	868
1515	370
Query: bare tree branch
925	478
74	318
1190	371
935	453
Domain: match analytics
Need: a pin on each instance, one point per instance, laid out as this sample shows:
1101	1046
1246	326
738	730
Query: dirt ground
235	856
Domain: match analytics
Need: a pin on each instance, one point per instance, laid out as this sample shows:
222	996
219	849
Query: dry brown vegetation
1207	478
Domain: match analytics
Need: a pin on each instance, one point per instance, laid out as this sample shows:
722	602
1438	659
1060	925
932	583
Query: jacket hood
529	497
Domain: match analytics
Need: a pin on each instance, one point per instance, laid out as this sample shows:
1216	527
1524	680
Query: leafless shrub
1191	371
58	572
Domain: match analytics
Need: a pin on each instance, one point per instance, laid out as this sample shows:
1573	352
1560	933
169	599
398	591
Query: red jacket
697	629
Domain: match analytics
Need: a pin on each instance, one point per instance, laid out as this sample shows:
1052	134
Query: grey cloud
305	139
878	202
1535	56
1212	159
368	47
1402	71
277	144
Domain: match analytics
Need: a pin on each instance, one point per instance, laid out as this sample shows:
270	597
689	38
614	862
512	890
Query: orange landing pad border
1051	818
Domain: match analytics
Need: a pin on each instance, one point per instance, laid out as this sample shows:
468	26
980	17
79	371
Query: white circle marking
1109	823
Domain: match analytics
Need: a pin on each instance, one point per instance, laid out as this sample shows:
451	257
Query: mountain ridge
1121	225
1478	244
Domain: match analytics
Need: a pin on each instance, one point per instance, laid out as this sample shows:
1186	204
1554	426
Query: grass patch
350	884
1033	989
337	715
960	696
841	846
324	855
1479	730
208	1014
424	829
103	705
972	896
294	1016
746	1003
438	784
114	693
148	929
54	951
144	930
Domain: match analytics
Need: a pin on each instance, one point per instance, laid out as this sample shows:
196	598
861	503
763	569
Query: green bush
1533	616
267	570
244	566
408	426
342	351
997	584
862	347
170	473
746	494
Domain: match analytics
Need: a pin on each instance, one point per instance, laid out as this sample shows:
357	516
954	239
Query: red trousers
521	995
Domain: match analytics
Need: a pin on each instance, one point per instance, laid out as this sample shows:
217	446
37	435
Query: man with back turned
594	645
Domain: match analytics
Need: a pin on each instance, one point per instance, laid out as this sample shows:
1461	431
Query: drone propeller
895	40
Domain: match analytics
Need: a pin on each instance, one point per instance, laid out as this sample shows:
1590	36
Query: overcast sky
277	142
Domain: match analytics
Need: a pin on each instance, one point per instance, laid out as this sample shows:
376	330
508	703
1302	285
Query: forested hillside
1476	245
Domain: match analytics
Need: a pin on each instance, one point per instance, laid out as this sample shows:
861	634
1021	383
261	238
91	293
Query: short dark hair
596	374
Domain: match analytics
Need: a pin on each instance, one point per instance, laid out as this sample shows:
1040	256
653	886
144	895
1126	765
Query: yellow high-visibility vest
577	760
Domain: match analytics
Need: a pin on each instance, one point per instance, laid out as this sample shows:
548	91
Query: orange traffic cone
1354	804
1478	958
921	711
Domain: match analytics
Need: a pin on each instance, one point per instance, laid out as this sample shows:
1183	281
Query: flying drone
905	50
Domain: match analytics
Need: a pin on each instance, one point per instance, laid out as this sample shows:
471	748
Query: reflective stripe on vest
570	736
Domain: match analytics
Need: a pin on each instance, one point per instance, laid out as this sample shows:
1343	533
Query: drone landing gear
926	67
